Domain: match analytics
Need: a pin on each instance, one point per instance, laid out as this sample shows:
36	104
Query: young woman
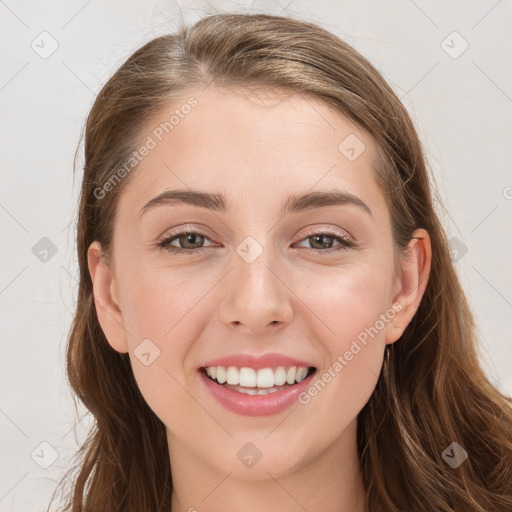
268	317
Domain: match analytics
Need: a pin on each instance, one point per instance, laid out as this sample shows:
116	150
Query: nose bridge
255	263
258	296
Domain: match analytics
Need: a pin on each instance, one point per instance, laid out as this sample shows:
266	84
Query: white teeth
264	378
221	375
280	376
290	377
254	391
232	375
247	377
301	374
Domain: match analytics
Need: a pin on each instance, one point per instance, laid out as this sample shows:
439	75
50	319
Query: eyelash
345	242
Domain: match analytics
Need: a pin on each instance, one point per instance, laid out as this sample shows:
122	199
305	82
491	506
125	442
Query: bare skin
258	148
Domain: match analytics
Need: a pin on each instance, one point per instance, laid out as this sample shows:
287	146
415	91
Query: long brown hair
432	390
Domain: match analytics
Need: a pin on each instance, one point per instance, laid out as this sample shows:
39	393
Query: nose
257	298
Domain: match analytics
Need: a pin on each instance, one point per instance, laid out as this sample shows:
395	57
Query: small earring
387	354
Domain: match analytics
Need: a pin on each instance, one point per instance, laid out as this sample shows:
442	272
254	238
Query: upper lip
265	361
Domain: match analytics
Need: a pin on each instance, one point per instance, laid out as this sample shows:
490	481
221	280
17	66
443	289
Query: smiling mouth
263	381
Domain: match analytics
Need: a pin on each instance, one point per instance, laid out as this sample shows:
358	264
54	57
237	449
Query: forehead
252	140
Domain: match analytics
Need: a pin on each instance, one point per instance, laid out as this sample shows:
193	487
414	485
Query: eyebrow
218	202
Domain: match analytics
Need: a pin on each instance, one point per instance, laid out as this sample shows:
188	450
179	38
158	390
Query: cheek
354	307
162	317
348	300
159	304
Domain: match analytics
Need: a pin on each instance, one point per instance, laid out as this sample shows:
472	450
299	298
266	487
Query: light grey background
462	108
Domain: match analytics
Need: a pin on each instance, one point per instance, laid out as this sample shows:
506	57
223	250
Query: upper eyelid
204	231
311	232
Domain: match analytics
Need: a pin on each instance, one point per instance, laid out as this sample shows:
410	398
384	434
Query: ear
412	282
106	298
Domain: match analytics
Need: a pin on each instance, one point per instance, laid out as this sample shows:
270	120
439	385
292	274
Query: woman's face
306	282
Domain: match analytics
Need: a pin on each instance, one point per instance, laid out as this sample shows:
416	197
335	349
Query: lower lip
256	405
